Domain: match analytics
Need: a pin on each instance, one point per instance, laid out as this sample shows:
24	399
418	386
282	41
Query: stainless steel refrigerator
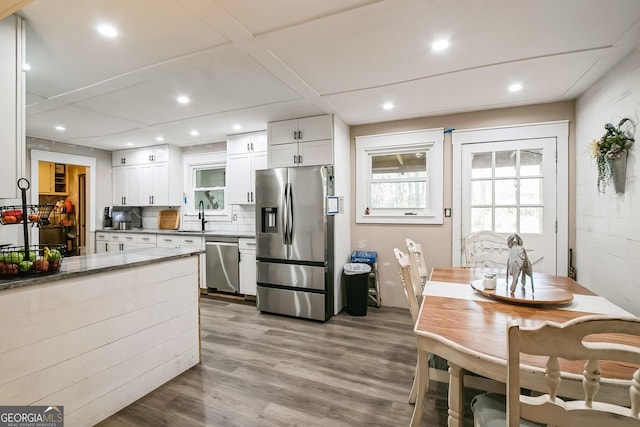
294	237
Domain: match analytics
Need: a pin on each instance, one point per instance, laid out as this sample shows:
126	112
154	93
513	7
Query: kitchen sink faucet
201	213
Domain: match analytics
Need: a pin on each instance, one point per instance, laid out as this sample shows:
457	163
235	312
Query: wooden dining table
470	330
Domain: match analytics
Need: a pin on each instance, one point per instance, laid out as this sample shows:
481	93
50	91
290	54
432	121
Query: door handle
291	216
285	216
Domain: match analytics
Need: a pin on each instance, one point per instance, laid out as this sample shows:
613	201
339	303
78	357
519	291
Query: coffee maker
106	219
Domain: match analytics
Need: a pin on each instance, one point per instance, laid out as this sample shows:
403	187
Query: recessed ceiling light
183	99
129	144
440	45
26	67
237	127
60	128
107	30
515	87
388	106
159	139
194	133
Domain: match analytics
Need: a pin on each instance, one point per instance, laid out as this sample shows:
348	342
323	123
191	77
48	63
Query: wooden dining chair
485	249
412	286
416	258
566	341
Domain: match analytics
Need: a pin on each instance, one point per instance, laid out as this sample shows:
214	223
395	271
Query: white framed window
208	187
205	182
399	177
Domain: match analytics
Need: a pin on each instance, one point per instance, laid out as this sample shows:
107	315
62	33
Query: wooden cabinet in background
52	178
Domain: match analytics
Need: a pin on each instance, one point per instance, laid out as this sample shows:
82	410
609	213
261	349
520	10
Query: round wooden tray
524	296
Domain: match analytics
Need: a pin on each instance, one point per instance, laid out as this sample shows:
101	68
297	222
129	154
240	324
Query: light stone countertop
97	263
207	233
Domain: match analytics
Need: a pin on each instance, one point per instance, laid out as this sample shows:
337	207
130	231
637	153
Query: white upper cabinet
246	153
301	142
122	157
126	186
244	143
301	130
158	176
12	105
140	156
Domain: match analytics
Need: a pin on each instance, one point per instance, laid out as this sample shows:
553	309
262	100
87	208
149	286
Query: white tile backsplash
241	220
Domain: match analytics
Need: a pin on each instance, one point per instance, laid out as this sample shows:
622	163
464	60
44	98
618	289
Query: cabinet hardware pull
248	149
252	146
299	158
251	197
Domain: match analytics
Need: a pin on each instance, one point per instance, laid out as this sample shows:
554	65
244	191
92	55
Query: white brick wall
608	225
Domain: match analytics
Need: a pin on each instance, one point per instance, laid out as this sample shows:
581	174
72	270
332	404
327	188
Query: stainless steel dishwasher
223	258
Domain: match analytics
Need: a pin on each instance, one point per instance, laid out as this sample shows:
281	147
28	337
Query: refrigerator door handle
290	214
285	218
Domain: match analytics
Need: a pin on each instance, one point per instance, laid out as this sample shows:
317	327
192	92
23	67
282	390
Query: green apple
25	266
54	255
13	258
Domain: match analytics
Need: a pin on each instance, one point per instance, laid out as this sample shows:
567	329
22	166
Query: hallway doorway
76	218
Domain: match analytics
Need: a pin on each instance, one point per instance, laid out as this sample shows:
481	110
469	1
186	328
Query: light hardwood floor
267	370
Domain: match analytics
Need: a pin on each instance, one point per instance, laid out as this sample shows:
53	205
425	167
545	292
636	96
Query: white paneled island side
103	332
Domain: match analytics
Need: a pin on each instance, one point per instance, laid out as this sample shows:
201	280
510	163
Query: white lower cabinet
119	241
147	240
116	242
247	248
170	241
122	241
102	242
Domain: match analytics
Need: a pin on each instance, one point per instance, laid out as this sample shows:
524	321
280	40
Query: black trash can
356	278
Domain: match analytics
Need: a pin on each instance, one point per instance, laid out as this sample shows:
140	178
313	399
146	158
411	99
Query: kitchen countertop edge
179	232
97	263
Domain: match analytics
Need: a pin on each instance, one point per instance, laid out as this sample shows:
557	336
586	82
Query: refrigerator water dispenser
269	220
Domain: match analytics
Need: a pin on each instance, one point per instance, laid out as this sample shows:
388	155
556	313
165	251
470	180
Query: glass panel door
509	187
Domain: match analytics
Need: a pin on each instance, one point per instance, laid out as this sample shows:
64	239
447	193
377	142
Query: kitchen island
103	332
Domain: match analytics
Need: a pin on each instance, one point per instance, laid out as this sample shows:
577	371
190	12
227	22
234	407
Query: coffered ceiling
247	62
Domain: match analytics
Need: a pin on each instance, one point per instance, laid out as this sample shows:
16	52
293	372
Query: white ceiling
249	62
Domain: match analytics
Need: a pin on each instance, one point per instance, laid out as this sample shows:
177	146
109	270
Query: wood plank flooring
267	370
